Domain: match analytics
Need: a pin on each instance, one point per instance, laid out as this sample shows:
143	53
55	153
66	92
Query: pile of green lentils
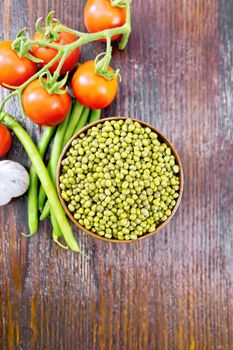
119	180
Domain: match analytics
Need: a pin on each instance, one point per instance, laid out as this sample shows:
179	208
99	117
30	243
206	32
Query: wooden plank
172	291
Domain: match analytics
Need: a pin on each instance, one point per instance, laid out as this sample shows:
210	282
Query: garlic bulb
14	181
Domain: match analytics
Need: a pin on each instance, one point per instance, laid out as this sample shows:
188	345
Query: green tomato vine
22	45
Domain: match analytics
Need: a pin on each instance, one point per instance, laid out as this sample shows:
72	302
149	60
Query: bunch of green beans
44	177
78	117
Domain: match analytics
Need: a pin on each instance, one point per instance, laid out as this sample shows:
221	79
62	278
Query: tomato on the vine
13	69
92	90
44	108
100	15
5	140
46	54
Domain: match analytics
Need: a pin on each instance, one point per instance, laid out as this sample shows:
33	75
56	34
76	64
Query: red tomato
100	15
5	140
13	69
43	108
92	90
47	54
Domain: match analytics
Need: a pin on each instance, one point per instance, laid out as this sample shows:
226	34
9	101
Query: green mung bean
119	180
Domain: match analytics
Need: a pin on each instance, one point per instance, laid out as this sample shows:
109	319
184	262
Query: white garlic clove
5	197
14	181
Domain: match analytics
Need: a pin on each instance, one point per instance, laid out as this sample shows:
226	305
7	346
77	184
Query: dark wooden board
171	291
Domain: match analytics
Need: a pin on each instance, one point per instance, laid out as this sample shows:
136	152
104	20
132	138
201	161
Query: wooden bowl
162	138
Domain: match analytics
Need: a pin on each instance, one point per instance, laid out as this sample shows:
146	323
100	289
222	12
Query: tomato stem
41	71
61	28
125	37
83	39
59	67
102	62
45	44
6	99
118	3
21	103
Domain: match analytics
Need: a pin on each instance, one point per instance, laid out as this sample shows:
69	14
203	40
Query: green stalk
44	177
125	37
33	188
95	115
87	38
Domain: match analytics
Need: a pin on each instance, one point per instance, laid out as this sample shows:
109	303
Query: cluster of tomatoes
90	89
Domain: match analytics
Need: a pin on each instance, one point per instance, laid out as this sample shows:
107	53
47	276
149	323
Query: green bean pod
73	122
55	154
95	115
83	120
33	188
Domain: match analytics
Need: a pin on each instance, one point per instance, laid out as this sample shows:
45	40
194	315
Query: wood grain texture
174	290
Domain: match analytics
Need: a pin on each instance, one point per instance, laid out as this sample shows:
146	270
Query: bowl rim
160	137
